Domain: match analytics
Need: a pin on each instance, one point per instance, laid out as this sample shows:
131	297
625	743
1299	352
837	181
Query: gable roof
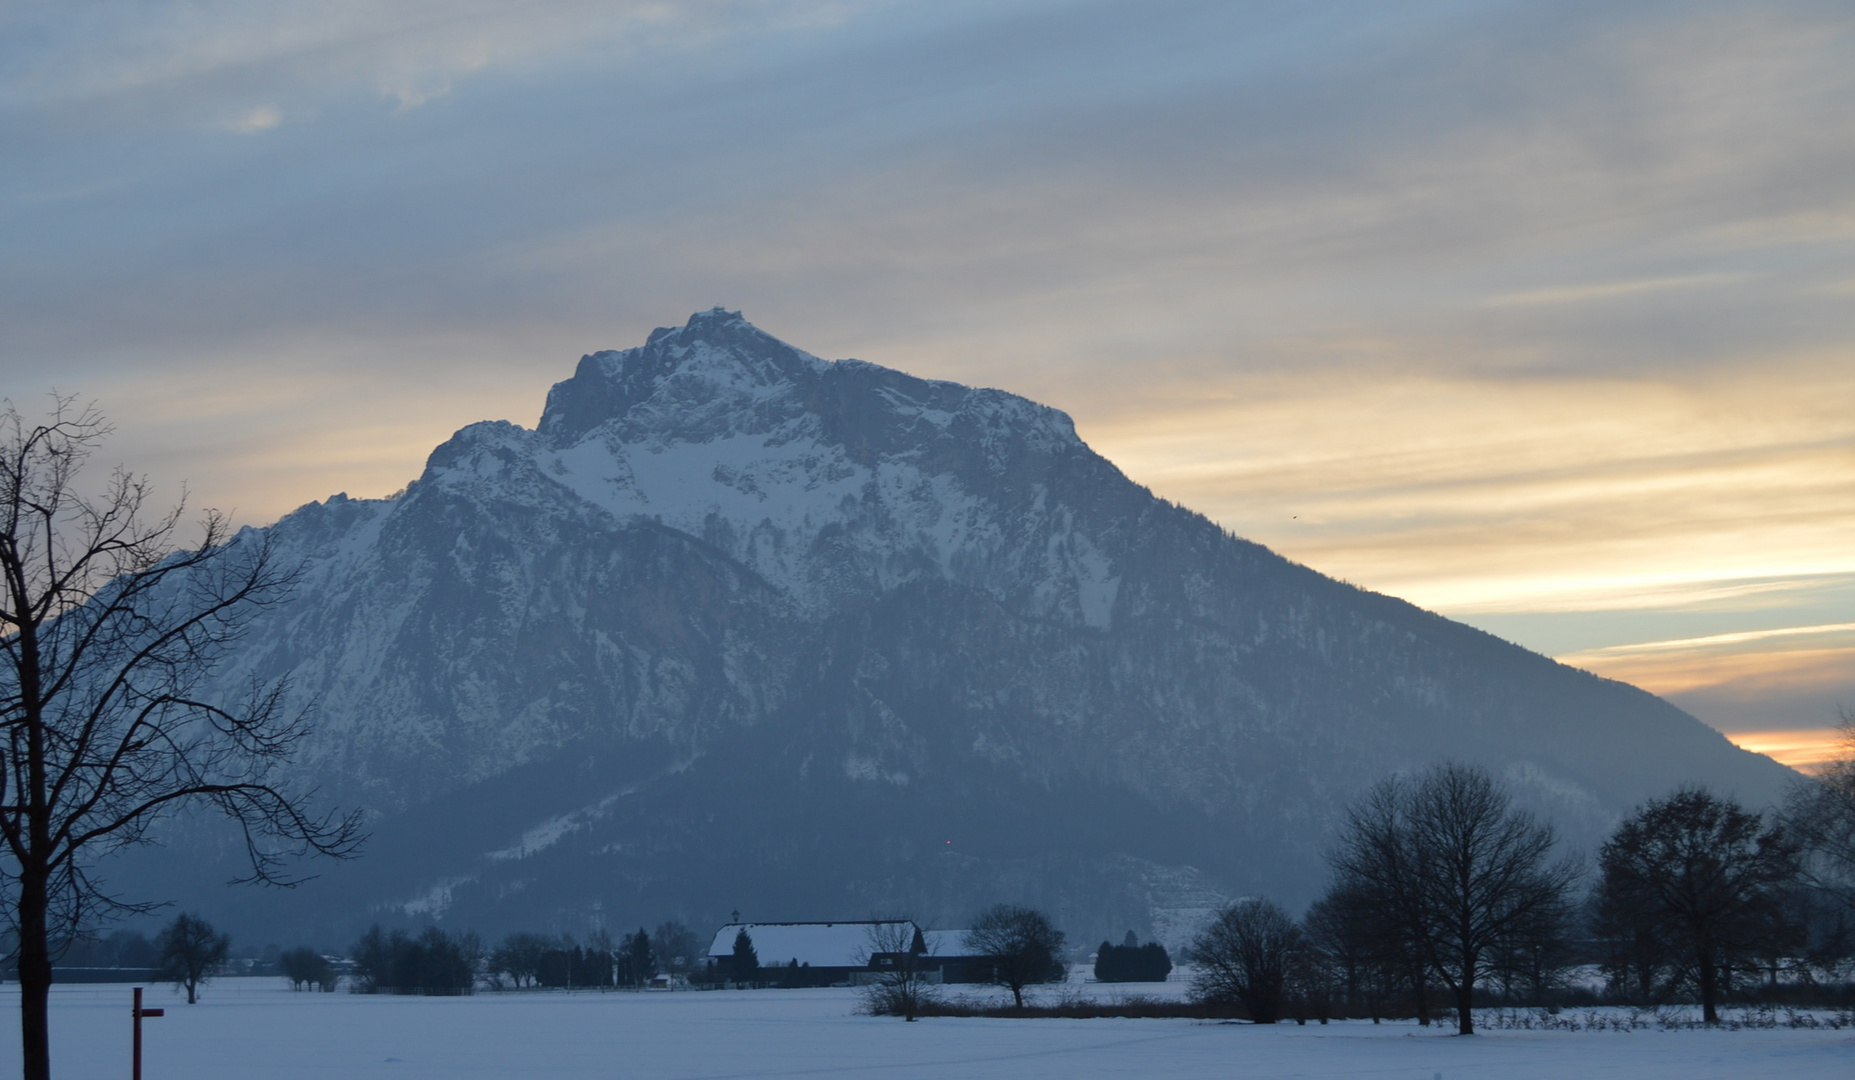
820	944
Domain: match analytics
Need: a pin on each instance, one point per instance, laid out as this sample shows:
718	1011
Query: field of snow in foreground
252	1029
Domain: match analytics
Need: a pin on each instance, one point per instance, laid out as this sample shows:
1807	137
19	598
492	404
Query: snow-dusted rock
737	627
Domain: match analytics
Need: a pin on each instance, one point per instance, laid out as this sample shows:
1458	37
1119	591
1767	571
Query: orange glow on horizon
1806	750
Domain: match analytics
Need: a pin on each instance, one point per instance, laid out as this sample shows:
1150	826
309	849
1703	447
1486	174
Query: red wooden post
138	1012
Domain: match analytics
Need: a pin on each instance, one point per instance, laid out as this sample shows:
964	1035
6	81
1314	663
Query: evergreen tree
745	964
638	959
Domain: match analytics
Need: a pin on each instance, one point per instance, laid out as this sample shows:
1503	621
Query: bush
1132	963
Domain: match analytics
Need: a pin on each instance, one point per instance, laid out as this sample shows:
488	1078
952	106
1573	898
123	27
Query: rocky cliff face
739	628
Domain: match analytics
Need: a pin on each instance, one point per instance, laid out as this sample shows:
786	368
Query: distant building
949	958
835	953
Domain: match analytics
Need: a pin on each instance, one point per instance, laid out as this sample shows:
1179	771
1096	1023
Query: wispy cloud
1533	313
1573	294
262	118
1712	641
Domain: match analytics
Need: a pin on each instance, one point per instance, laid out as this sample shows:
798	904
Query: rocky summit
738	628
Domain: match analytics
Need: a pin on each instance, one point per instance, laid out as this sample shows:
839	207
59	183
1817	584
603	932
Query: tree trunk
1465	993
1709	988
1420	990
35	980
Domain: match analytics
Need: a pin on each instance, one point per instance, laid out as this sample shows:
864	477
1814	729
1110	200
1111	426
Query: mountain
737	628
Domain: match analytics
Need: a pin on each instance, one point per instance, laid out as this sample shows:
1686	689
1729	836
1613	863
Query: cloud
1573	294
1712	642
1535	314
410	51
262	118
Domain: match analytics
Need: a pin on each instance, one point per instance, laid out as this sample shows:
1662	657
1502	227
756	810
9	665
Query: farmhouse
834	953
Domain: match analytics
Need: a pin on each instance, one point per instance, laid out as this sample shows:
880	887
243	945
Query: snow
255	1029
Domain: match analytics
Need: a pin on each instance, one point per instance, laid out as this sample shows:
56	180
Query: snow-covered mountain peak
719	376
718	370
733	612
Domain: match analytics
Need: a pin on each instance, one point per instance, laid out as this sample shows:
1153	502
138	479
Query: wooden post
138	1012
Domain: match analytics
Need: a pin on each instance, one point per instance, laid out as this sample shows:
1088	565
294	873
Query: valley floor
254	1029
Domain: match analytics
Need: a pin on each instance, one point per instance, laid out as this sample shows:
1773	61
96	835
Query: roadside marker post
138	1013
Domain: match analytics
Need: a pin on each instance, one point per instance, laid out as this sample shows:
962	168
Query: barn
835	953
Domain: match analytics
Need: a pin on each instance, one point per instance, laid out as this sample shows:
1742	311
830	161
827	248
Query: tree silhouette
1457	873
190	951
109	626
1022	946
1703	878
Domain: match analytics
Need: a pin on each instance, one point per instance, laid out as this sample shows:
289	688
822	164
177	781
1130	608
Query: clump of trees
1022	946
1692	887
1452	880
526	960
1131	961
1444	892
636	961
305	967
519	958
434	963
190	951
566	965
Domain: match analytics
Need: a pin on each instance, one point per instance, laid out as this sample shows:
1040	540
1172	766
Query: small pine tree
746	962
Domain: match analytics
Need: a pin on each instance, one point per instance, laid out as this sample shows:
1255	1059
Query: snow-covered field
255	1028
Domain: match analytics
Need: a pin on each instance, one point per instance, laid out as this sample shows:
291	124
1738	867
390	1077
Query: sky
1538	315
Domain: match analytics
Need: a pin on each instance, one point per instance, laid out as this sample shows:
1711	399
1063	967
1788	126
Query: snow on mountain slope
739	627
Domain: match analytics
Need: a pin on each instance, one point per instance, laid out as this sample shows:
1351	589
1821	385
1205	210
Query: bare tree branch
109	629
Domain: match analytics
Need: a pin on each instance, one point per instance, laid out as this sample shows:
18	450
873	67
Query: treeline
440	963
1445	896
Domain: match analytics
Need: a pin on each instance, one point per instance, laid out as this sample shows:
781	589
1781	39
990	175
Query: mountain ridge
729	605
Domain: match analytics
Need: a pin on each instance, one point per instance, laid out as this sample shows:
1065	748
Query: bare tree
1460	870
677	946
519	957
1251	955
899	982
304	966
1706	877
1022	946
1377	888
109	626
1820	815
191	950
1357	950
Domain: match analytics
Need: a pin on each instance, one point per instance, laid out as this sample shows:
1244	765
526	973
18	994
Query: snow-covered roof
820	944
